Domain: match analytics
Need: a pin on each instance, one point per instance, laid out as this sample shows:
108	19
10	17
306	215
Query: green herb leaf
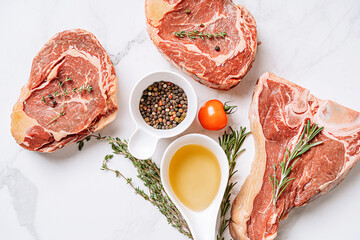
89	88
229	109
80	145
149	173
67	79
154	191
231	143
104	166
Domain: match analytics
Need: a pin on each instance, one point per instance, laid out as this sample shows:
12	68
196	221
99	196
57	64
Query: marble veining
24	197
139	39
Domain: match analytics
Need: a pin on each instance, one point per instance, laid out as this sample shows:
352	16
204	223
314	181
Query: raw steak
71	93
222	69
277	114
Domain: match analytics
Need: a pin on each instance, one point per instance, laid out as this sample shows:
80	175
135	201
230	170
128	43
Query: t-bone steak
72	92
278	112
217	62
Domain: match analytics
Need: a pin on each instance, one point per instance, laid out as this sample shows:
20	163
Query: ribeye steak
218	62
71	93
278	112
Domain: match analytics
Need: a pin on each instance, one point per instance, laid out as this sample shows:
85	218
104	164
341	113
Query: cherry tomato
213	115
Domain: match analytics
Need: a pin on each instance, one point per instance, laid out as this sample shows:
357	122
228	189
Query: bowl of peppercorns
162	105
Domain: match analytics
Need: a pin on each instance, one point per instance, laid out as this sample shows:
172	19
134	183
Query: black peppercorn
217	48
159	105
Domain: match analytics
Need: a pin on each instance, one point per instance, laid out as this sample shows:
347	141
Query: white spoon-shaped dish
143	142
202	224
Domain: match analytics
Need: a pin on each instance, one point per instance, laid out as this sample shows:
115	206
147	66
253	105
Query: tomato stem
229	109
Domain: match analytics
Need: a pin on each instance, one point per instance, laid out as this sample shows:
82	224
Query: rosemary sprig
231	144
149	173
290	159
197	33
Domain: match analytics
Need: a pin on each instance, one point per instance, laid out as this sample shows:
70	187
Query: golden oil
195	175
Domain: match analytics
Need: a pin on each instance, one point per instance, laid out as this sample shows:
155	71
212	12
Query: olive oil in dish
195	175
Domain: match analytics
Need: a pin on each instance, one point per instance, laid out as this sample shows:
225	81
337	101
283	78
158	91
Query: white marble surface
64	195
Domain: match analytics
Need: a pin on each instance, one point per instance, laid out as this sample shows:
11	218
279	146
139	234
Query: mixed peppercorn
163	105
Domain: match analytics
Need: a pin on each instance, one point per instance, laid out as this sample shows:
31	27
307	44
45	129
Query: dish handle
142	144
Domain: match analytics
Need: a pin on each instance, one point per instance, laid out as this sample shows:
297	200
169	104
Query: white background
64	195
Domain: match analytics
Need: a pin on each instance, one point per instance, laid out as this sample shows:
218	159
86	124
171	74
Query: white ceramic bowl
202	224
143	142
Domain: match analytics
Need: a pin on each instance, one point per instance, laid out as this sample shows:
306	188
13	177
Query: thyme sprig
290	159
231	143
149	173
67	79
197	33
84	88
61	113
63	92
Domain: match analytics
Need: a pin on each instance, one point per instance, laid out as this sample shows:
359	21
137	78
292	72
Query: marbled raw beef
221	69
278	112
53	111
